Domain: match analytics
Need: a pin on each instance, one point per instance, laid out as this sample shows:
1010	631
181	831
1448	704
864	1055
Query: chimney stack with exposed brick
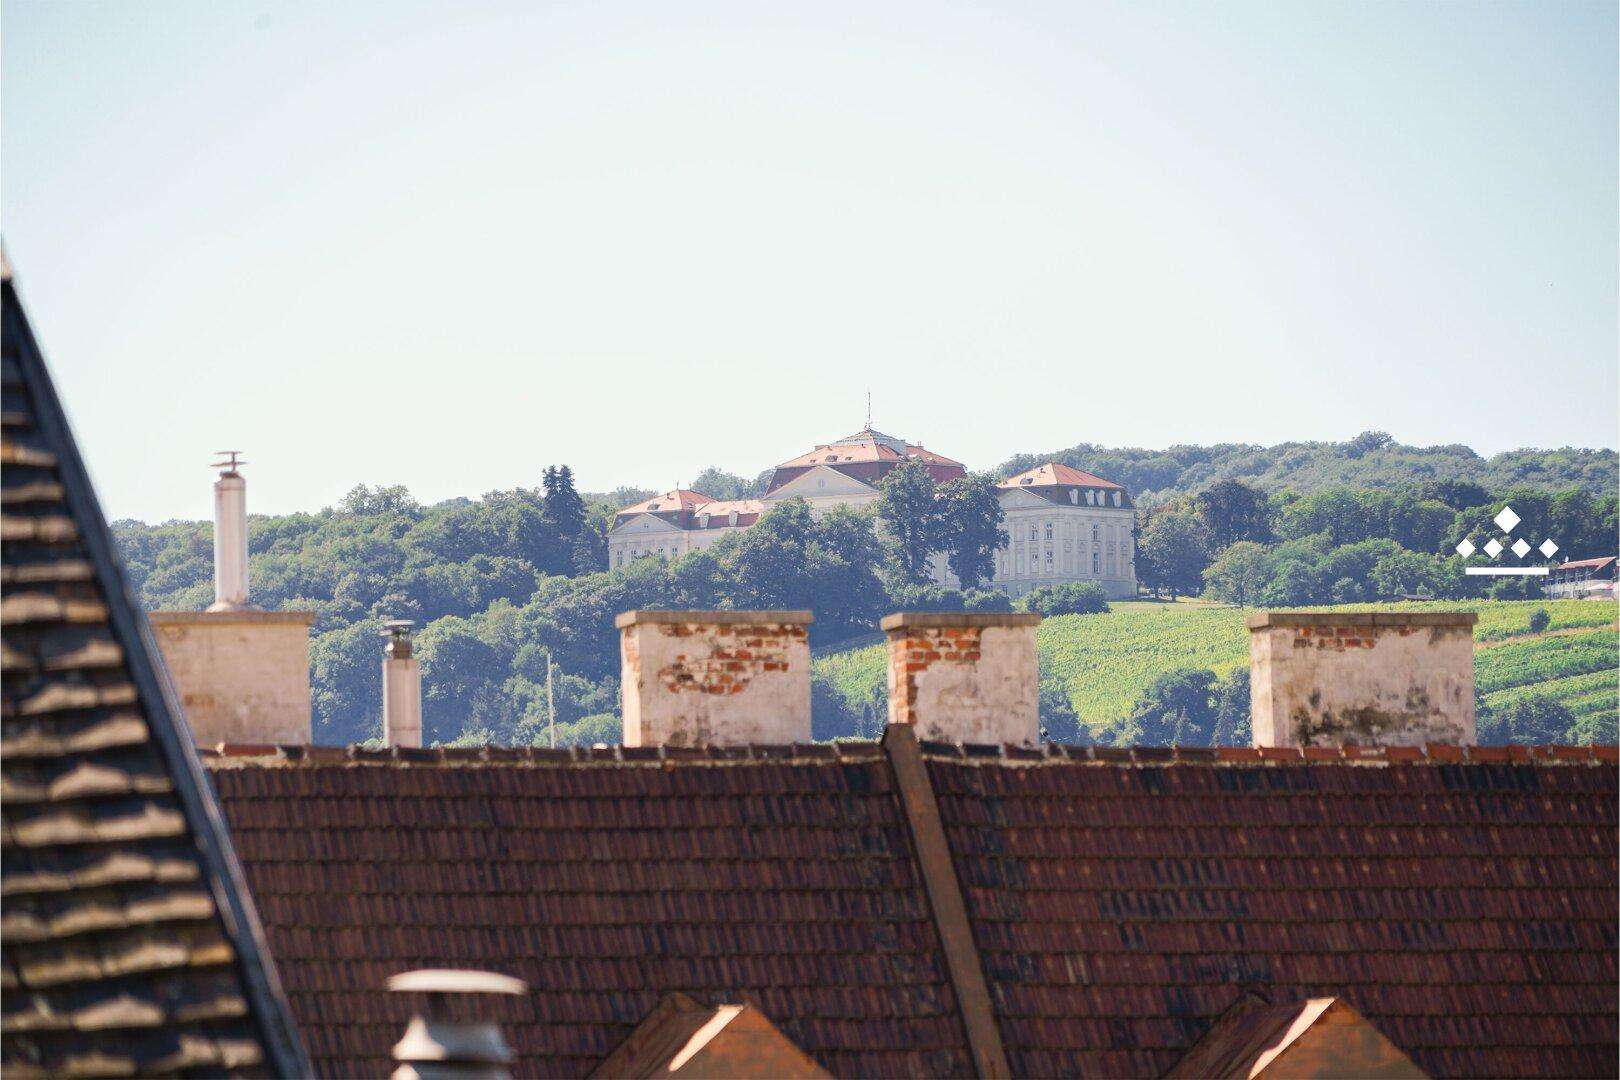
715	678
966	678
402	687
1362	678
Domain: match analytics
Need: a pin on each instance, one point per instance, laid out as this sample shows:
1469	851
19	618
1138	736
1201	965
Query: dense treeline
506	585
1370	460
1234	543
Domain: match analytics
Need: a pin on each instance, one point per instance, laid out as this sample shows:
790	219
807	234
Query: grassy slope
1108	660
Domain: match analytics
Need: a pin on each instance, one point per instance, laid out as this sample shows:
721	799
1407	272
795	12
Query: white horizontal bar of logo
1506	571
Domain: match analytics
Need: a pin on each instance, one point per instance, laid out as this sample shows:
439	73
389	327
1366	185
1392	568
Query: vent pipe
402	687
438	1047
230	535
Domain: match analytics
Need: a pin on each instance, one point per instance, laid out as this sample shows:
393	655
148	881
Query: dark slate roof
1467	910
129	942
604	884
1121	901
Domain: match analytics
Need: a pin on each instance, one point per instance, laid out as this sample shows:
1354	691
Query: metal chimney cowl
436	1047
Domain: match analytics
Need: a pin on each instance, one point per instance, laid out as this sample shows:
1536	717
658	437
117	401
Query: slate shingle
117	958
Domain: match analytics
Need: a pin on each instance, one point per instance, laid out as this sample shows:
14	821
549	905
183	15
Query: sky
445	245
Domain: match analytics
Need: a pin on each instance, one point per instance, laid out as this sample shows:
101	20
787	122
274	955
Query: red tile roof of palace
1585	564
864	450
669	502
1461	898
719	513
1052	474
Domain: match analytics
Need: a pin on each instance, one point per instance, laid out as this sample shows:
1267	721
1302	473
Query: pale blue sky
447	244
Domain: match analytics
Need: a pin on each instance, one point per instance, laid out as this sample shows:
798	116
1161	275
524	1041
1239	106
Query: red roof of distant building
1054	474
669	502
1586	564
867	456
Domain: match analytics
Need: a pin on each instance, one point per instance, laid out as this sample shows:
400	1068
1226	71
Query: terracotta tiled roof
859	450
117	957
668	503
1466	910
1461	899
1585	564
1054	474
605	882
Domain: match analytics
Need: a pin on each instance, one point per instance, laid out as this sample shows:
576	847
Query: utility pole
551	705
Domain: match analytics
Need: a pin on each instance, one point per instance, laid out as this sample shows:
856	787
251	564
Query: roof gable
820	482
682	1038
130	943
1306	1038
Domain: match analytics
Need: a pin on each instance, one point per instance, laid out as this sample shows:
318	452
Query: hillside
1105	662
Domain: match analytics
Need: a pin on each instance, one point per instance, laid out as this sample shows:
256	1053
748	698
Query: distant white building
1063	525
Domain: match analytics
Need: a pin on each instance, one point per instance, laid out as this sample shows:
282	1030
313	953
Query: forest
504	584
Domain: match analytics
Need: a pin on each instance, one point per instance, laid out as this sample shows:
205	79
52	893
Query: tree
970	524
1232	727
910	514
1406	573
1234	512
564	509
1177	708
1173	551
1239	574
1539	620
1073	598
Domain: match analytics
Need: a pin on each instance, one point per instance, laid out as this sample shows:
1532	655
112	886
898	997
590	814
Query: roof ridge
229	755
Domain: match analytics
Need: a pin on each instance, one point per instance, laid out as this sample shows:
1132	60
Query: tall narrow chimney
402	687
230	535
440	1046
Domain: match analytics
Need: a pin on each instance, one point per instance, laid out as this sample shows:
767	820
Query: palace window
1032	530
1096	563
1096	534
1049	530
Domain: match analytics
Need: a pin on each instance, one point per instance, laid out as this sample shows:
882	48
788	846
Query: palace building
1062	524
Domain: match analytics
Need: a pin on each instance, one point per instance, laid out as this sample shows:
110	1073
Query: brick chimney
715	678
966	678
444	1042
1364	678
402	687
242	674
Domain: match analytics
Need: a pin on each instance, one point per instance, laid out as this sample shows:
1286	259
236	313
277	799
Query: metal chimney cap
233	459
452	981
397	627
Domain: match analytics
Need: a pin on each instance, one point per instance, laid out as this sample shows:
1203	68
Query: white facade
1051	543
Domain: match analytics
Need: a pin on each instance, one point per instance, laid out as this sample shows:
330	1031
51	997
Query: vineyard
1104	662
